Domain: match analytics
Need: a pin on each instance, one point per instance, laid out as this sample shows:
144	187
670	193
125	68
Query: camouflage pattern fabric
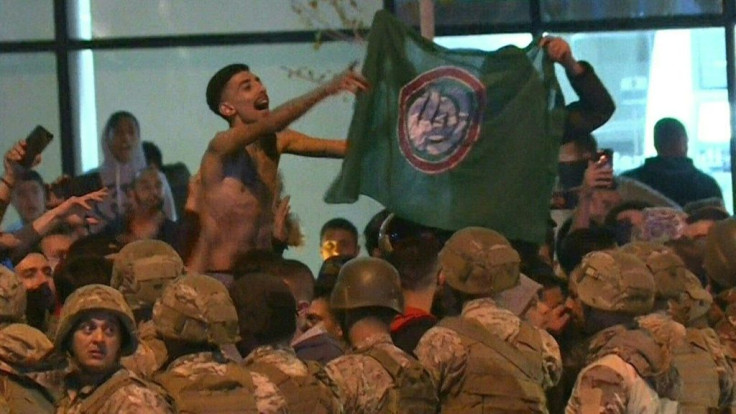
193	366
284	359
12	296
151	354
122	393
360	382
442	352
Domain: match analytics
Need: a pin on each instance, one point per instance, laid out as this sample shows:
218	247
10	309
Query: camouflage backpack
303	394
414	391
499	376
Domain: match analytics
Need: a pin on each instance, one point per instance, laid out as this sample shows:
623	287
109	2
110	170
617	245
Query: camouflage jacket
361	383
193	366
122	392
442	352
301	378
150	355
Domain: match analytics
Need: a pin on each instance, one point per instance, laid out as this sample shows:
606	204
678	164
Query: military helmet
24	346
142	269
672	279
614	281
96	297
367	282
196	309
12	296
479	261
720	253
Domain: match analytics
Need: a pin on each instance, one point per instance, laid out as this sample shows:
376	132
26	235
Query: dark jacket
677	178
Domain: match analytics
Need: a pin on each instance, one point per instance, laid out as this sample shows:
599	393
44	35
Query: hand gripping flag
454	138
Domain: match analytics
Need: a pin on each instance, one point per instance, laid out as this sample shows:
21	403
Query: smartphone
605	156
36	141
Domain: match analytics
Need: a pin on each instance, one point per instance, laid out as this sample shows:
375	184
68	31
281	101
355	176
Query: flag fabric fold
454	138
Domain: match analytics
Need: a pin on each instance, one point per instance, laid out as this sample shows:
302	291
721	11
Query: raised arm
293	142
595	106
239	136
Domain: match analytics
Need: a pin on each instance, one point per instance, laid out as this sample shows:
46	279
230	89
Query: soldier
12	298
96	328
629	359
267	324
141	271
707	376
376	376
195	316
487	359
24	353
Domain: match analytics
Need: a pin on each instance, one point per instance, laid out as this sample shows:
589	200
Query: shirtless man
239	169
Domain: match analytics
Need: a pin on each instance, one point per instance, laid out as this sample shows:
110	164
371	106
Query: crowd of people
139	288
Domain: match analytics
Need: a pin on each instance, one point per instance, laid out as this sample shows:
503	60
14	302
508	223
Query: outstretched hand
349	80
560	52
75	210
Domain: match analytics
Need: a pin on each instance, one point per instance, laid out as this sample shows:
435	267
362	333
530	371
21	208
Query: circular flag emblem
440	113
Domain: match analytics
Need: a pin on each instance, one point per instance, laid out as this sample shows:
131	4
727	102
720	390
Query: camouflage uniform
12	298
198	310
141	271
122	391
298	385
195	367
707	375
23	351
487	359
629	367
376	377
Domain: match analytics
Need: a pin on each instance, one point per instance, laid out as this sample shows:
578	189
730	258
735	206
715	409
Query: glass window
662	73
457	13
557	10
133	18
165	89
651	75
30	95
26	20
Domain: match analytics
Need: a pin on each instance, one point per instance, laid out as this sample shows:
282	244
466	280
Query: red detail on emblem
440	113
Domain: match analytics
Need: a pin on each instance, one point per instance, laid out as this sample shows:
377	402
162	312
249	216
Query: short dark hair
667	134
327	276
217	84
81	270
610	220
266	309
153	154
255	261
372	229
339	223
416	260
580	242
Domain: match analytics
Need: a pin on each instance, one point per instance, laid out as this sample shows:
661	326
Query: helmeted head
142	270
196	309
366	282
12	296
480	262
672	279
720	253
614	281
23	346
96	298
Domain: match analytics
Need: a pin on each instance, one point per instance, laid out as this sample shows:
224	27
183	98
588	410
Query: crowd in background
626	307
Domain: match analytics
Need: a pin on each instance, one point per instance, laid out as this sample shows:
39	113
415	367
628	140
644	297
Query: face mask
571	173
623	232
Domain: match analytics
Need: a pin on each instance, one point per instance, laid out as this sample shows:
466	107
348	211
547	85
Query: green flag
454	138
